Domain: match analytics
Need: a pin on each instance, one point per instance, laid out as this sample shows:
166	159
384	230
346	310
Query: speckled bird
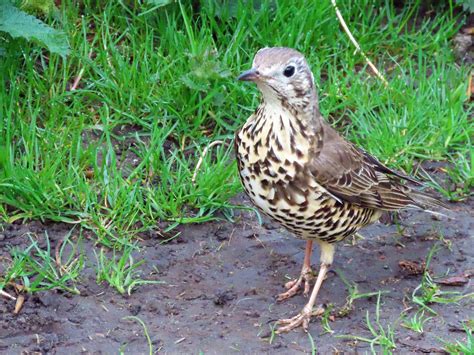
299	171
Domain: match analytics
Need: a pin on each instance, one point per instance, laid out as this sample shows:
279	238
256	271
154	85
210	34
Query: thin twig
7	295
76	81
351	37
79	76
196	169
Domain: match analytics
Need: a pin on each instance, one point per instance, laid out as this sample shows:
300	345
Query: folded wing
354	176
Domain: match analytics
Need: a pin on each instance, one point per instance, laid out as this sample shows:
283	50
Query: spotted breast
274	150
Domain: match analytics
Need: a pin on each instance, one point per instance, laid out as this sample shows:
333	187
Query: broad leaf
19	24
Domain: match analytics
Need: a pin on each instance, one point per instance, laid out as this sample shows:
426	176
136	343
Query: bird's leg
303	318
306	275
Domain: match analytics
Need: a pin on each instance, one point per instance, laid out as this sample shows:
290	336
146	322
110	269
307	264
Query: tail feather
428	203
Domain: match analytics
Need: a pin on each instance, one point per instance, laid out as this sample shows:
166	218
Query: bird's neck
304	111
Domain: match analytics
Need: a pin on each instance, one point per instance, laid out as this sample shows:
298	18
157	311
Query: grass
314	350
145	332
325	319
462	347
38	269
429	292
117	154
121	272
417	322
353	295
383	337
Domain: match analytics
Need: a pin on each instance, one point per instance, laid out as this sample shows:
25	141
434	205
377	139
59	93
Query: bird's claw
292	289
301	319
293	286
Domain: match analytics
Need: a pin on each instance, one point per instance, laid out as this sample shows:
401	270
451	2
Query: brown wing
354	176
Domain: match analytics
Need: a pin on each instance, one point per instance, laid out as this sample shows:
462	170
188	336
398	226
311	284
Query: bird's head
284	77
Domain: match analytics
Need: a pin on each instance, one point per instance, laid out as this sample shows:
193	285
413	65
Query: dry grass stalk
7	295
198	165
356	44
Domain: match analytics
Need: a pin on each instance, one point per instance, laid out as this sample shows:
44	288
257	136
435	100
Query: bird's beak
249	75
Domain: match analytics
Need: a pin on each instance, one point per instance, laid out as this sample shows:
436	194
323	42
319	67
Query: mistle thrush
299	171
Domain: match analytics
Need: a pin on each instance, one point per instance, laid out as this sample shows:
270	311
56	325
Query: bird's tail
429	203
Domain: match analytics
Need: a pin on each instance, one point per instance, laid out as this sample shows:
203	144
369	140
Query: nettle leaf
44	7
159	3
19	24
205	68
468	5
226	9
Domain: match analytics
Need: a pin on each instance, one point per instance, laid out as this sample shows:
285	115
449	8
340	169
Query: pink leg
305	276
303	318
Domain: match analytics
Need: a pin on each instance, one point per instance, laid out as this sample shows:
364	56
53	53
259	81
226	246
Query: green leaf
19	24
44	7
159	3
468	5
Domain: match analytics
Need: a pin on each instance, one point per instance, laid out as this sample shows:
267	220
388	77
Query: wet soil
221	279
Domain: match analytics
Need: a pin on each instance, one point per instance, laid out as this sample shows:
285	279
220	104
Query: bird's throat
276	130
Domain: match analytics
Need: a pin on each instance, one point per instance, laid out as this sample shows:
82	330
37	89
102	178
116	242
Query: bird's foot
301	319
293	286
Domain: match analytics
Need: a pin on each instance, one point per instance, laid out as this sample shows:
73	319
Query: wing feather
354	176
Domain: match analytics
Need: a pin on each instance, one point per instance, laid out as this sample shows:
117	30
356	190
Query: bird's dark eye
289	71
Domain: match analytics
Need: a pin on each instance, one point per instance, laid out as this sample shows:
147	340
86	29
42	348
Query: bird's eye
289	71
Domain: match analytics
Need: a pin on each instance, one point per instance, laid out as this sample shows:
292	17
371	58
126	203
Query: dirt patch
221	281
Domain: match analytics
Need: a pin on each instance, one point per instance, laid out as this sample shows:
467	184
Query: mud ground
221	279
